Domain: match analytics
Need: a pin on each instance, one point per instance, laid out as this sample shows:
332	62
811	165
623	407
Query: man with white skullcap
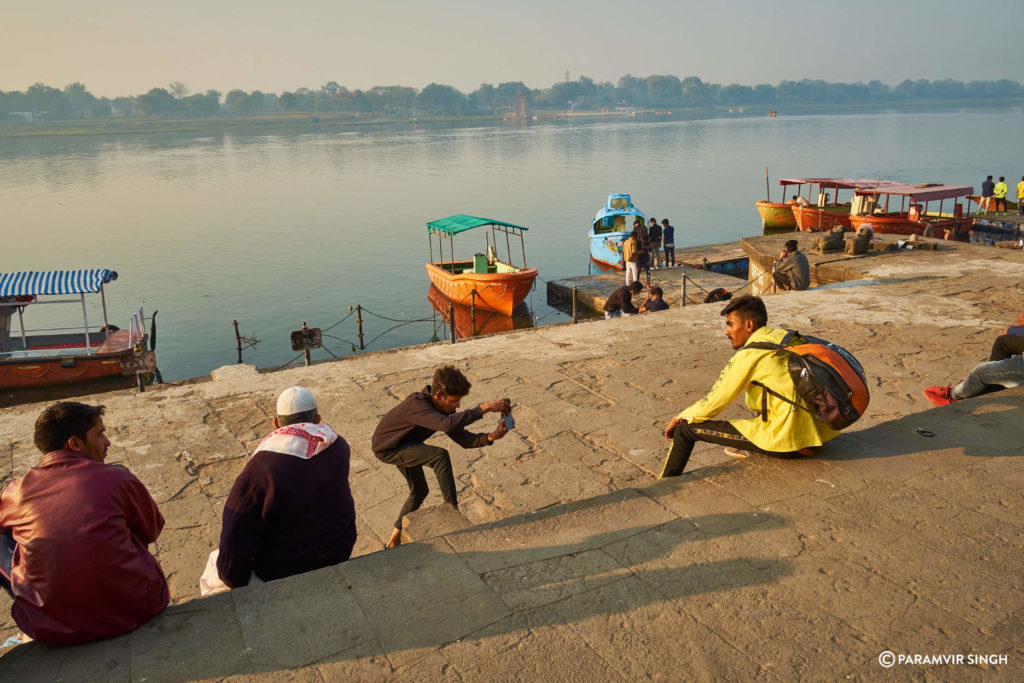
290	510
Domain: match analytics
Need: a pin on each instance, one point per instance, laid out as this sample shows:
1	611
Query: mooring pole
359	322
451	319
575	310
142	385
305	352
238	341
472	309
684	287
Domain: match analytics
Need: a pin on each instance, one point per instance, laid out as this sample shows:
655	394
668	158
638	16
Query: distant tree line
660	92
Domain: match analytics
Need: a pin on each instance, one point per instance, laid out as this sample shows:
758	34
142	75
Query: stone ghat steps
761	568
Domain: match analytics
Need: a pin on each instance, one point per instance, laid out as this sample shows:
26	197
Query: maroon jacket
81	569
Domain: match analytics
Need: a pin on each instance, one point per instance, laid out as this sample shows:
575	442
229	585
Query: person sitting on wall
621	301
782	430
290	510
792	271
74	533
1003	370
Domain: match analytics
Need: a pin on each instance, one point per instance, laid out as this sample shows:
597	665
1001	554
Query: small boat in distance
914	218
29	359
483	280
610	228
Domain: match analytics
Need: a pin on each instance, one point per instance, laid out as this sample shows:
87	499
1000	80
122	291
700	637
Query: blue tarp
33	283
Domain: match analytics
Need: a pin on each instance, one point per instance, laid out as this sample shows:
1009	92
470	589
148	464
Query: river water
277	227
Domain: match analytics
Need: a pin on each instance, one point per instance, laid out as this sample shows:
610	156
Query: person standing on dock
668	236
629	258
999	192
654	230
987	190
1020	197
780	429
398	439
290	510
792	271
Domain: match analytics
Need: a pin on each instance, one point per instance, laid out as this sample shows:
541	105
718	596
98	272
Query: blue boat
611	227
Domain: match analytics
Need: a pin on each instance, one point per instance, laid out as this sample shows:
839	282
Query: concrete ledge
431	522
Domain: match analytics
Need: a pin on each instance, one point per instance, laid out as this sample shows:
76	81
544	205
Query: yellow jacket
1020	190
999	191
787	428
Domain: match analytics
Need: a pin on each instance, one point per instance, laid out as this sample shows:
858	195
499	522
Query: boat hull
44	372
606	249
500	292
483	322
776	217
900	224
813	219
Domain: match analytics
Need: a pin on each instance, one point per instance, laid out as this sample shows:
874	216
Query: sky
120	47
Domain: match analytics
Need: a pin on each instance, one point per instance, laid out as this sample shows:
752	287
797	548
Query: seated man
73	536
655	301
1004	370
290	510
398	439
799	201
792	271
782	430
621	301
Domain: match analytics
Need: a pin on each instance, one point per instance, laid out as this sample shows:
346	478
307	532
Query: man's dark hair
657	290
635	286
63	420
792	245
988	178
748	307
450	381
296	418
664	221
1002	178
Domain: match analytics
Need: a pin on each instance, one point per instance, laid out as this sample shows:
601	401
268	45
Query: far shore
346	120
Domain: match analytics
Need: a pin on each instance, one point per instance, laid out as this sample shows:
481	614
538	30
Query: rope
340	321
396	320
281	367
329	353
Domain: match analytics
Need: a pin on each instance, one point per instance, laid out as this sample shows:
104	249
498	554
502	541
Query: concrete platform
592	291
580	563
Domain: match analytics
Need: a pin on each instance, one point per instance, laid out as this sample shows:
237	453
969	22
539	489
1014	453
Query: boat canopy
921	192
34	283
842	183
461	222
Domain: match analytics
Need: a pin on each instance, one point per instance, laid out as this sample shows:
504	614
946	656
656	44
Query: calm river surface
281	227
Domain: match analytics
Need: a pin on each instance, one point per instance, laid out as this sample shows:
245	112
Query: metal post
472	309
21	323
238	341
359	322
575	310
684	289
305	352
85	321
451	319
106	324
142	384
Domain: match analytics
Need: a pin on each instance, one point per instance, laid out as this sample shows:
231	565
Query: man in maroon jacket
73	536
398	439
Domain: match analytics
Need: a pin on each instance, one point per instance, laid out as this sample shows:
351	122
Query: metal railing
136	328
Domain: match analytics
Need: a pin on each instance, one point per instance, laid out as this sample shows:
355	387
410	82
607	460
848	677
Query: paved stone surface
582	564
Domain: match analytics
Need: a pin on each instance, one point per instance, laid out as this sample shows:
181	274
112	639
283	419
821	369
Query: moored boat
822	209
776	217
915	217
484	281
39	358
610	228
470	323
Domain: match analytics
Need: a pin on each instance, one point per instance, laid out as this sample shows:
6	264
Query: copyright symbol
887	659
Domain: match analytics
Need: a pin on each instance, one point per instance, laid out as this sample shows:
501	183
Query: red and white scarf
303	440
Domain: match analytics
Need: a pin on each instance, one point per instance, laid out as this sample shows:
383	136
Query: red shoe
939	396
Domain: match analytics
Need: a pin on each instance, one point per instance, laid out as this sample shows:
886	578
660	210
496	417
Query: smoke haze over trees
176	101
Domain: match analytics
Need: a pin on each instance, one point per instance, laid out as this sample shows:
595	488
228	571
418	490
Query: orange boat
469	323
822	210
915	218
484	280
29	359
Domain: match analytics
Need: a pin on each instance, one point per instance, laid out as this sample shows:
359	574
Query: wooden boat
822	210
1011	206
610	228
470	323
483	281
776	217
40	358
915	218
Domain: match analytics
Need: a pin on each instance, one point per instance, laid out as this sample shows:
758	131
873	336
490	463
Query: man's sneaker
736	453
939	396
806	452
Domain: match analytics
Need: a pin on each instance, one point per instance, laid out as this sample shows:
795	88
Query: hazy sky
121	47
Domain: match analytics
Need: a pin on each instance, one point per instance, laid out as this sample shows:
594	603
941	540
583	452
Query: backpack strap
764	400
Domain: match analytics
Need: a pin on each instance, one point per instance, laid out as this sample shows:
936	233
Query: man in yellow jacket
782	430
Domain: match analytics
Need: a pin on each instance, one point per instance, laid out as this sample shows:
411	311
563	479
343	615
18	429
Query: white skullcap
295	400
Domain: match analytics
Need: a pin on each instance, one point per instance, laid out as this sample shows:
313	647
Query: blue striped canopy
31	283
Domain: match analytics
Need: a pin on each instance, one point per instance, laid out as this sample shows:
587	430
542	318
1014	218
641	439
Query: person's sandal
736	453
